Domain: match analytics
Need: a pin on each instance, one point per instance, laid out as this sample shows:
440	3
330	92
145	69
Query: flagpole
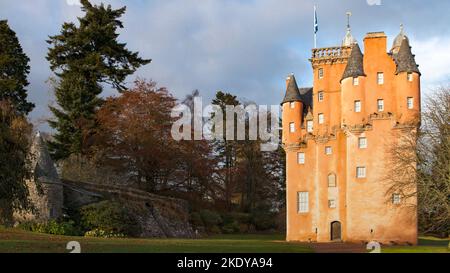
315	26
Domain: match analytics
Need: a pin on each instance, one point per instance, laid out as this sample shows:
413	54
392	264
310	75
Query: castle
335	136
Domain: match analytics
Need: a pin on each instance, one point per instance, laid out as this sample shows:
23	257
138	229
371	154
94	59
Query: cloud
242	46
73	2
433	58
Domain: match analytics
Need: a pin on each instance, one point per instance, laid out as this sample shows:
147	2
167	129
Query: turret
292	107
352	88
407	79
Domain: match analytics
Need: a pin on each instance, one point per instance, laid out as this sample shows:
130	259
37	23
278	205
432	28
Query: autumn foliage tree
133	135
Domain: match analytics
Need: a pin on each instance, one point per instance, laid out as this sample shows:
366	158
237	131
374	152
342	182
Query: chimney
375	44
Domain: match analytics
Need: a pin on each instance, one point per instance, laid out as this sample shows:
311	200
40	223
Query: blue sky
246	47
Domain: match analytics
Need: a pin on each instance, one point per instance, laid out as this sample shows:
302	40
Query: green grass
18	241
12	240
426	245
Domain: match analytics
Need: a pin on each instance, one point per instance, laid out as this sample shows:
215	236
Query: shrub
210	218
263	220
67	228
196	219
231	228
109	216
103	234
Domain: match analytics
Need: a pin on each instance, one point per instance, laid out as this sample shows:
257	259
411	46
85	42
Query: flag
316	24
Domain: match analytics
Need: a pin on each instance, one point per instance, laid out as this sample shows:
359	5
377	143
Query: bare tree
419	165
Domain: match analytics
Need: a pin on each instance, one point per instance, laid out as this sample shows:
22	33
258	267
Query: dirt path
338	248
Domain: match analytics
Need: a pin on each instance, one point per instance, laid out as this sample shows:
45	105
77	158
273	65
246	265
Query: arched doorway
336	231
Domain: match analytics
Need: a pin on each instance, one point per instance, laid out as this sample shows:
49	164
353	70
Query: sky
245	47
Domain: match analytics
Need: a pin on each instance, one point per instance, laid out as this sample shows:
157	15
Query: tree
226	150
134	136
14	70
83	58
14	147
420	165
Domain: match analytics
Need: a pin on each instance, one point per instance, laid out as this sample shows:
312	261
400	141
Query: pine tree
83	58
14	70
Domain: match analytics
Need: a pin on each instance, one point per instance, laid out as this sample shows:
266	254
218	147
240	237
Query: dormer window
320	96
320	73
355	81
380	78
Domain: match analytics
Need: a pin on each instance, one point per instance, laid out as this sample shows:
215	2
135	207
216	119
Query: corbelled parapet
328	55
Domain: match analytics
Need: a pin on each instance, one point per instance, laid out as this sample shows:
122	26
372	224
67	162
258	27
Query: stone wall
158	216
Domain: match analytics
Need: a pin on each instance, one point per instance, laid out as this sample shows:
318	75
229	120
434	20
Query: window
362	143
356	81
396	199
360	172
309	126
380	104
303	202
332	180
410	77
321	118
320	73
320	96
292	127
380	78
410	103
357	106
301	158
332	204
292	104
328	150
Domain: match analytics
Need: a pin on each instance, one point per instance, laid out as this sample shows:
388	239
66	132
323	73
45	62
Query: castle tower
44	186
407	80
292	107
336	142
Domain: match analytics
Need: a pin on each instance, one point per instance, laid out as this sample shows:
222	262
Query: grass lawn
13	240
17	241
426	245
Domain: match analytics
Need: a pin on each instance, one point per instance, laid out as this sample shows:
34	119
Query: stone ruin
158	216
44	186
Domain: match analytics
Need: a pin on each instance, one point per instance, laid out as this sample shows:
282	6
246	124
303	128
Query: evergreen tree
83	58
14	149
14	70
226	150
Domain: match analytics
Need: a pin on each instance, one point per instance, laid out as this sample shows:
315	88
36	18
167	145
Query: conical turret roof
355	65
292	91
399	40
405	59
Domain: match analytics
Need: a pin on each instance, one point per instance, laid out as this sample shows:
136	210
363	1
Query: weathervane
349	14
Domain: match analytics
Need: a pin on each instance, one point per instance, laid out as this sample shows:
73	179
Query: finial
349	14
402	30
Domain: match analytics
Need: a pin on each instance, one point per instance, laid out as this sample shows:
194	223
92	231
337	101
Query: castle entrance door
336	231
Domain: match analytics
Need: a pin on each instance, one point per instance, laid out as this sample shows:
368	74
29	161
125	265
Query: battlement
327	54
